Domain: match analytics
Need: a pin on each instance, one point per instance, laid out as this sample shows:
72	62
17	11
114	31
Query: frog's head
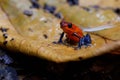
64	24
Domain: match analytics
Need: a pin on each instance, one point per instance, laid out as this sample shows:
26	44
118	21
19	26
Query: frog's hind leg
87	40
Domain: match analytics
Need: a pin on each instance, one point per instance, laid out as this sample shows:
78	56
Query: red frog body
74	34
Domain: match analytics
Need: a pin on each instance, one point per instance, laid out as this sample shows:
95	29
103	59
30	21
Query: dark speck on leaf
30	29
28	13
80	58
73	2
45	21
12	39
85	8
45	36
5	35
5	42
50	9
35	4
4	29
59	15
96	6
117	11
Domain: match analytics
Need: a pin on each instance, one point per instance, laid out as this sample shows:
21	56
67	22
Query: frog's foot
59	42
60	39
85	41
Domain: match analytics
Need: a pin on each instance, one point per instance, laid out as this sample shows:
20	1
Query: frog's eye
70	25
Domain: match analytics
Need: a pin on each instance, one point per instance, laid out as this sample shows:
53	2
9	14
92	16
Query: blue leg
81	42
60	39
87	40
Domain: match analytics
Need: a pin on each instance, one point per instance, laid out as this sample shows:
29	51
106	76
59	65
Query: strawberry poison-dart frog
74	34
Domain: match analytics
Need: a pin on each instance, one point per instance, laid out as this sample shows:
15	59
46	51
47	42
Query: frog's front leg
60	39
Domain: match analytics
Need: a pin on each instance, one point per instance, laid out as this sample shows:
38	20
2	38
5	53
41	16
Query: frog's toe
59	42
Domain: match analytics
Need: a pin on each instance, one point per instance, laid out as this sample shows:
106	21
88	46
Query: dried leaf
27	34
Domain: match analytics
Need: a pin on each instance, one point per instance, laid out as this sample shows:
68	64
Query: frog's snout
63	24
